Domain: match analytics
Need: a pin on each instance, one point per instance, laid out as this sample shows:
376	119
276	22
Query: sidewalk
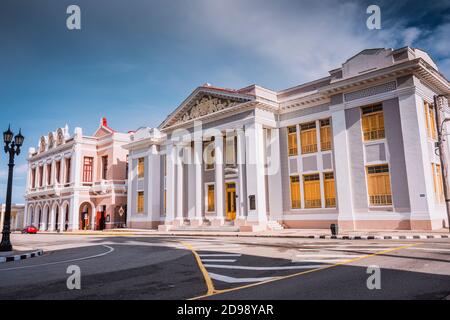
286	233
20	253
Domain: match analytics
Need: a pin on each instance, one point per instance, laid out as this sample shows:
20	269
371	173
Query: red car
30	230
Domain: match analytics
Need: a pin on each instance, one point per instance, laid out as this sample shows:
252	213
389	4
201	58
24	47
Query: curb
402	237
22	256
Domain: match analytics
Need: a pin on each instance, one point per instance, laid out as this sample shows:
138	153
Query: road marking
328	255
219	260
208	281
430	249
305	272
227	279
346	249
111	249
227	266
220	255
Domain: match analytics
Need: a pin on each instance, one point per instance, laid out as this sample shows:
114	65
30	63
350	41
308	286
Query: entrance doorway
85	216
230	189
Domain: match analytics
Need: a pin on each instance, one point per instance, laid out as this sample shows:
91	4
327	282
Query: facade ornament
206	105
59	137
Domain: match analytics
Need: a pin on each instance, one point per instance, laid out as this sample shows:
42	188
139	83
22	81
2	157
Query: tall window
379	185
68	169
311	186
105	167
141	167
430	120
88	169
373	123
292	141
49	174
211	198
41	176
58	171
438	184
325	135
33	178
330	194
230	150
140	202
295	192
308	137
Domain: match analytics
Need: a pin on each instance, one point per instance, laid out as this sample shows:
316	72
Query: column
51	226
274	175
256	182
219	186
346	219
198	160
417	161
62	216
180	183
170	187
240	157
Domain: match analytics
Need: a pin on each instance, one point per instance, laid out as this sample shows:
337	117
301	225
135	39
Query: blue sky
135	61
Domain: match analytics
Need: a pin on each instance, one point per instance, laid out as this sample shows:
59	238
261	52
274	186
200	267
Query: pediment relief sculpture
206	105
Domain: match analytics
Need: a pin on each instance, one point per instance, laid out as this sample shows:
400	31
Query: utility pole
440	103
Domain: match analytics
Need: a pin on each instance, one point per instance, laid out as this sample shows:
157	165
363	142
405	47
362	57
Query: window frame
140	168
373	113
305	189
304	147
207	186
140	209
389	196
291	192
325	180
330	135
292	151
88	169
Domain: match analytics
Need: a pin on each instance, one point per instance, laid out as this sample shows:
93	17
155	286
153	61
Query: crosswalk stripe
328	255
219	260
220	255
228	279
223	266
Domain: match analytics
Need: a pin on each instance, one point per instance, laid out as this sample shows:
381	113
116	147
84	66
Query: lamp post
12	147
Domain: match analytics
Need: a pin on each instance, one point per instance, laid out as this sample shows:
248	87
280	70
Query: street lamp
12	147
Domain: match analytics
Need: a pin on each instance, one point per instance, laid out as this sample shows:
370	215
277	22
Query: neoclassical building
356	147
77	182
17	213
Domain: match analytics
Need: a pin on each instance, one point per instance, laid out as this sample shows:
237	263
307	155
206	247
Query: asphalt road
150	267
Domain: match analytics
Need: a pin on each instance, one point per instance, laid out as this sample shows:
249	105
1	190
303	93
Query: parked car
30	230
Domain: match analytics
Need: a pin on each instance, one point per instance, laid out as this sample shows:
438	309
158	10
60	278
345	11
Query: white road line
111	249
429	249
220	255
219	260
227	279
223	266
320	260
329	255
346	249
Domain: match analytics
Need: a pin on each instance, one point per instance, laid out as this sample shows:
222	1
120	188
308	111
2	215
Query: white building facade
77	181
355	148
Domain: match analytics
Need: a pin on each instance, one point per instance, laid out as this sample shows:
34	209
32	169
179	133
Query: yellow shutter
431	114
379	185
373	123
309	141
425	109
311	185
325	138
140	202
292	143
440	186
141	167
330	194
211	198
295	192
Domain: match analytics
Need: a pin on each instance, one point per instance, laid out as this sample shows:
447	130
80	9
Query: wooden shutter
141	164
330	194
292	141
312	191
211	200
140	202
308	138
379	185
295	192
325	135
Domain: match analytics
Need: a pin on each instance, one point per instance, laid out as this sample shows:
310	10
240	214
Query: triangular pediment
205	101
102	132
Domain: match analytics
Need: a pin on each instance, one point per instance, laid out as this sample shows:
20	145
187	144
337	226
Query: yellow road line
208	281
216	292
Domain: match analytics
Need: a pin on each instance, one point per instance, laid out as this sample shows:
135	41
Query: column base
217	222
196	222
178	222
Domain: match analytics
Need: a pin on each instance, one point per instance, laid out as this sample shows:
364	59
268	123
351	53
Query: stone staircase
274	225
